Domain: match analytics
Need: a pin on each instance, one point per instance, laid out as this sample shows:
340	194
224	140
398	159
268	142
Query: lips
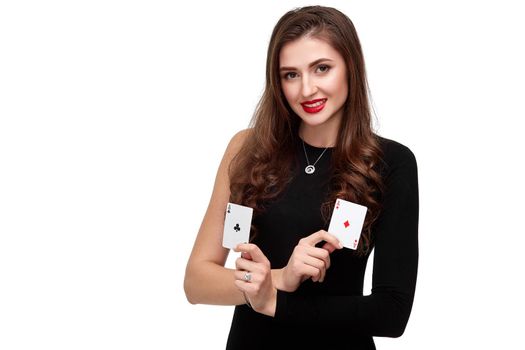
314	106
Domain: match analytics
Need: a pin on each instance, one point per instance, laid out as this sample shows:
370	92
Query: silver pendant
309	169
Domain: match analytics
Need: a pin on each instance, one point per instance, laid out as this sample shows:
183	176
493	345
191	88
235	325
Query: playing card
237	224
347	222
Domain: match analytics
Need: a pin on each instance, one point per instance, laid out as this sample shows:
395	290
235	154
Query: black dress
334	314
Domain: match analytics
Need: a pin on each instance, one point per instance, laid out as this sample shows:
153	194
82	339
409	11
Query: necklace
310	168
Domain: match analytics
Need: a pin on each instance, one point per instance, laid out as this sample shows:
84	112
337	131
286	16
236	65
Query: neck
324	135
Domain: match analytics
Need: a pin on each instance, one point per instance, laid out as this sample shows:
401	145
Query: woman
311	143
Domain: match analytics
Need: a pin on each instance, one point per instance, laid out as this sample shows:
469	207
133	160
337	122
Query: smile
314	106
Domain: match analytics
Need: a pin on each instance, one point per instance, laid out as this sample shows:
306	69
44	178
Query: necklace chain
310	169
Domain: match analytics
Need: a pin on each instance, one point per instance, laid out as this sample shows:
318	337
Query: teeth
315	104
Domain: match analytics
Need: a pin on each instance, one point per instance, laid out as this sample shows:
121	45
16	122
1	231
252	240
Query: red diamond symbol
346	223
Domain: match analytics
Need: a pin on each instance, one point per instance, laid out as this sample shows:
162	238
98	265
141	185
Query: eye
323	67
326	68
286	76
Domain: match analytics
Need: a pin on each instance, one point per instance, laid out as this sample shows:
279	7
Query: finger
239	275
246	256
247	265
310	272
304	278
320	236
255	253
329	246
317	264
249	288
320	253
318	277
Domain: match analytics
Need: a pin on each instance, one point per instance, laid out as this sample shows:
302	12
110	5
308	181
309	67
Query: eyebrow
310	65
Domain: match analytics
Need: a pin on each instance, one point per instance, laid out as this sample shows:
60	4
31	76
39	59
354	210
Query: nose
308	87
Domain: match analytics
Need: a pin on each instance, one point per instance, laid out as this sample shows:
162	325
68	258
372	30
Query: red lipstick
308	108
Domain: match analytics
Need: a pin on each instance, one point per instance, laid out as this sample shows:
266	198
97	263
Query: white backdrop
114	118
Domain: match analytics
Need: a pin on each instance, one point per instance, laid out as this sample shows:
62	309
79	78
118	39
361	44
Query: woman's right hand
308	261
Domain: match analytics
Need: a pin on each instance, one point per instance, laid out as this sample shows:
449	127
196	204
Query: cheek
337	84
289	93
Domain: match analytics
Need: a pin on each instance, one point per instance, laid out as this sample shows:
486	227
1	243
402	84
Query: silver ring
247	277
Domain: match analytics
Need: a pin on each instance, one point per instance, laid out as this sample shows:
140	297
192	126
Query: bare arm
207	281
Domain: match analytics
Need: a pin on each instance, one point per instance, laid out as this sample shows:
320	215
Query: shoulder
398	163
237	141
240	137
395	153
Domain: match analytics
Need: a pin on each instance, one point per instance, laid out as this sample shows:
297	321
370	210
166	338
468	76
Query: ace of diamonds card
347	222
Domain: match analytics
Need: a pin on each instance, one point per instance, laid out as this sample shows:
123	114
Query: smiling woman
311	143
314	87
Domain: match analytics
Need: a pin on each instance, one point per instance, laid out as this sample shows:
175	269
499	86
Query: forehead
304	50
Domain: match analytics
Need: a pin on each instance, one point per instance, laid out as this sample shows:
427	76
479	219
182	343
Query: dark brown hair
261	169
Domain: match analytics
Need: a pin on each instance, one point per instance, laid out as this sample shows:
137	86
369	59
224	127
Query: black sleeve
385	312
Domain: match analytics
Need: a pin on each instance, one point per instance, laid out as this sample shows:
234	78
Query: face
314	82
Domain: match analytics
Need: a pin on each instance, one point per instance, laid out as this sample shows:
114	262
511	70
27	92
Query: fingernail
340	245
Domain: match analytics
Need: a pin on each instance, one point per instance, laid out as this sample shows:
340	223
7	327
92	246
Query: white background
114	118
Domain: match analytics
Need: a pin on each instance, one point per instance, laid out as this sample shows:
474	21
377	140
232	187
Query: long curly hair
261	170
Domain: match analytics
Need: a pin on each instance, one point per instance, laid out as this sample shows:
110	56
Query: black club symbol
237	228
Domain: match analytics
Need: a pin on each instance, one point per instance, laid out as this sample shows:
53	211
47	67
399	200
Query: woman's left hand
254	278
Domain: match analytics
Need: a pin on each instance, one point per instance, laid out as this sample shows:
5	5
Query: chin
313	120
